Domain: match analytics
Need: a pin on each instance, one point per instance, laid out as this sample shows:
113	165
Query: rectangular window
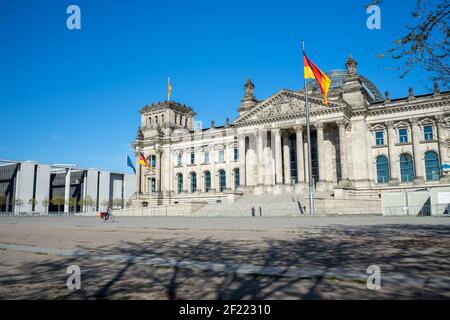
403	135
236	154
192	158
379	138
428	133
179	159
221	156
206	156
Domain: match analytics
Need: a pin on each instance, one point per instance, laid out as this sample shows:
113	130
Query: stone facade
362	144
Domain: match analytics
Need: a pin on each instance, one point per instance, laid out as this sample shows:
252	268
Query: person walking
260	211
253	211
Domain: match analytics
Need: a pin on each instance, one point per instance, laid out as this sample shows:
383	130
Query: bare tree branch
426	45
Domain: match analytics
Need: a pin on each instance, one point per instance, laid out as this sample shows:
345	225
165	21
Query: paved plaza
225	258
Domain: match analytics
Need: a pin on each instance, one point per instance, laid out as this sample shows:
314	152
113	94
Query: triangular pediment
284	102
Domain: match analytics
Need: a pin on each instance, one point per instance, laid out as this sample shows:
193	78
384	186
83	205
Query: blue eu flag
130	164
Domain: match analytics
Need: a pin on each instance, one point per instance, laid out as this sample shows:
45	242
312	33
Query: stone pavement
221	258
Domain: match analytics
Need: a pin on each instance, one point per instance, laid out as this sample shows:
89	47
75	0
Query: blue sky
73	96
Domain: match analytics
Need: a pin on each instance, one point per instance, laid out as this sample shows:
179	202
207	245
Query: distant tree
19	203
45	204
118	203
426	44
58	201
73	202
88	202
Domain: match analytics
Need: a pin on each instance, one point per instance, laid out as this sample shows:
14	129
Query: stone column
342	124
67	190
260	178
441	136
278	166
305	157
299	147
286	159
321	152
214	183
393	161
158	174
242	163
418	163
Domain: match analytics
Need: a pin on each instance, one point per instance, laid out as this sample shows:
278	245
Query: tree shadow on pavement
418	253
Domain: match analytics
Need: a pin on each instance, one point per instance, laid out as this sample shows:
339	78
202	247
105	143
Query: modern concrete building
363	144
28	186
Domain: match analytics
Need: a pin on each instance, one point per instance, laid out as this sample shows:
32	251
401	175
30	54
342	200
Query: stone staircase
286	204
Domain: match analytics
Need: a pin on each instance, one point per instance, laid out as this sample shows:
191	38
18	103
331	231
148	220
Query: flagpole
308	138
124	184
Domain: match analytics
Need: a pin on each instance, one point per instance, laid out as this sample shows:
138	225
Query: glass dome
337	78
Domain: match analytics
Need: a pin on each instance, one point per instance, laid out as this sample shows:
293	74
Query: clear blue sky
72	96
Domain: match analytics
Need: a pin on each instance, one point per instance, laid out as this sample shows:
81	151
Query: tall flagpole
308	134
124	184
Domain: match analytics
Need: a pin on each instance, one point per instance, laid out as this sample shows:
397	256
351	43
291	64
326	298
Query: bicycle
107	217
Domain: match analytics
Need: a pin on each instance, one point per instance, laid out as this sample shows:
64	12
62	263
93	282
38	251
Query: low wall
183	209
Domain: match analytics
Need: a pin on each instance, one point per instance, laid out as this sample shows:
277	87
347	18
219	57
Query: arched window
179	183
162	118
406	167
153	162
193	181
432	165
237	179
156	119
382	169
207	181
222	180
149	120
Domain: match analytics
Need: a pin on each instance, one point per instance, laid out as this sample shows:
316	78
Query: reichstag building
362	144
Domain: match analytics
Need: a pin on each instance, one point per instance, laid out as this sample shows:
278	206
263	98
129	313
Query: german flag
312	72
169	89
143	161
